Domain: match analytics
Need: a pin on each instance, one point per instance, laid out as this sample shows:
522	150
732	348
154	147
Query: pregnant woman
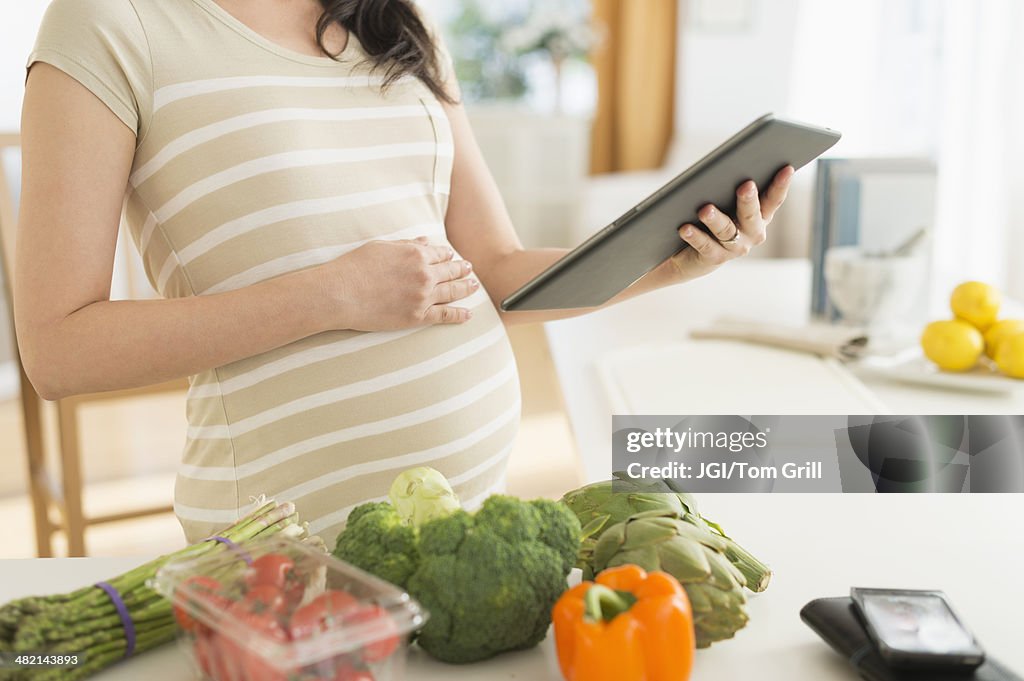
327	242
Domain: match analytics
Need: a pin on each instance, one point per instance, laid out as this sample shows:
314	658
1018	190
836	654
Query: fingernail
473	283
750	191
468	265
709	213
469	314
687	231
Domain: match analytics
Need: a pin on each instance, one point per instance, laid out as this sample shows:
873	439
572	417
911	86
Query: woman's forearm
113	345
506	274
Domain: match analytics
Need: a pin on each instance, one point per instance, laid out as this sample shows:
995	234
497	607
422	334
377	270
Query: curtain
981	146
941	79
636	74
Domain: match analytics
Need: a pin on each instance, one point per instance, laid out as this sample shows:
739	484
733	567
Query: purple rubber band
126	619
234	547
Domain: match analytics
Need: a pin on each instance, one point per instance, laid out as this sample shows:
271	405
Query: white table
818	545
769	290
969	545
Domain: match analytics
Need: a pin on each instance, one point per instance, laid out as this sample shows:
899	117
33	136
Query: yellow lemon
1010	357
976	303
954	345
999	332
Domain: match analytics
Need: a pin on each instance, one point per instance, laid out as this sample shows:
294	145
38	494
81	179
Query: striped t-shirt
253	160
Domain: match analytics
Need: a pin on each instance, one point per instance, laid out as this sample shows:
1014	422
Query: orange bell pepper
628	626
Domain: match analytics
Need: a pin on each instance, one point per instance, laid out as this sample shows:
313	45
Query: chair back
8	214
10	182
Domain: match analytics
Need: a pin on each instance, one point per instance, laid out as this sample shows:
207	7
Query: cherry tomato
383	628
324	612
204	655
265	598
294	590
272	569
249	664
196	593
224	658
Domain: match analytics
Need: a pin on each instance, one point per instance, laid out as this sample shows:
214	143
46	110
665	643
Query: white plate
914	367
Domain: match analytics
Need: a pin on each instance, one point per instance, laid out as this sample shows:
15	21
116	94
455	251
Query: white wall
736	63
18	24
870	68
733	72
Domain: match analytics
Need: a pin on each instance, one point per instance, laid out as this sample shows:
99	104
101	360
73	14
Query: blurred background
583	107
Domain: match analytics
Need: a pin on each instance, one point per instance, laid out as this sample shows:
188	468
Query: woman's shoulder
103	45
91	15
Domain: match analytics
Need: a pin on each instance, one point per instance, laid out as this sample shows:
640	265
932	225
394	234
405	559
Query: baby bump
329	421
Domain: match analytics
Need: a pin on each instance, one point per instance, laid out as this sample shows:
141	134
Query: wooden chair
56	502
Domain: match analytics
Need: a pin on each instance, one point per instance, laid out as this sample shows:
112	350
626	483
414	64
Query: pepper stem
603	604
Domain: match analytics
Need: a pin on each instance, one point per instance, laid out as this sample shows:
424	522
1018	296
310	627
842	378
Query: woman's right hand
391	285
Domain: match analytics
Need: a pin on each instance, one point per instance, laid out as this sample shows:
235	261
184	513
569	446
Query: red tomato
383	628
294	590
248	663
203	653
198	592
265	598
272	568
224	657
324	612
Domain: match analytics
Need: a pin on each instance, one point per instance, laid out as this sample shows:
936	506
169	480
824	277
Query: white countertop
764	290
56	575
970	546
819	545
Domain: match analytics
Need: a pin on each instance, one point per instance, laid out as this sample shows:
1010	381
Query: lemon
1010	357
976	303
999	332
954	345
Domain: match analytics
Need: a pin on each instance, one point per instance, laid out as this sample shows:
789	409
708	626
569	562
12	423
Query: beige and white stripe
262	163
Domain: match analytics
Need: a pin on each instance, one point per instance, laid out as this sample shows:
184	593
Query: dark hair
393	35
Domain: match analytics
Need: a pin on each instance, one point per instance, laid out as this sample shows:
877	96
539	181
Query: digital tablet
648	234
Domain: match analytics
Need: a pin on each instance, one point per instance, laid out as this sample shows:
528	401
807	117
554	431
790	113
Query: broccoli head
489	579
376	540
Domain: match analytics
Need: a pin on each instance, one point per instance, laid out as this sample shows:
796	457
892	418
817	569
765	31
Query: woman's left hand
731	238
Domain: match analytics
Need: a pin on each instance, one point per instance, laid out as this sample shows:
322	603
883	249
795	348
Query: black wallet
835	620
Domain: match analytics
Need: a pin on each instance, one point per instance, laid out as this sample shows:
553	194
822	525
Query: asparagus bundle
89	621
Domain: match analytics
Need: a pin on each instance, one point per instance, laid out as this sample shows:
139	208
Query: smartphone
917	629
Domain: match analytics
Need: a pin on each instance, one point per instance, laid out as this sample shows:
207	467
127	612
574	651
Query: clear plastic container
278	610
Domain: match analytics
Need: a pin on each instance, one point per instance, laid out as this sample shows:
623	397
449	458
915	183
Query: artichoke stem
757	574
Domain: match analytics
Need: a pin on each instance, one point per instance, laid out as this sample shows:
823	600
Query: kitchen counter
777	291
55	575
970	546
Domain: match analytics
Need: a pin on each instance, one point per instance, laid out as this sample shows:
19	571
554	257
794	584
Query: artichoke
663	540
603	504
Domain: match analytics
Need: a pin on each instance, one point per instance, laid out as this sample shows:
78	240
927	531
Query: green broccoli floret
488	580
376	540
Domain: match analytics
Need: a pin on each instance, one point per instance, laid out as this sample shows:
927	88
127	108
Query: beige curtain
636	66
